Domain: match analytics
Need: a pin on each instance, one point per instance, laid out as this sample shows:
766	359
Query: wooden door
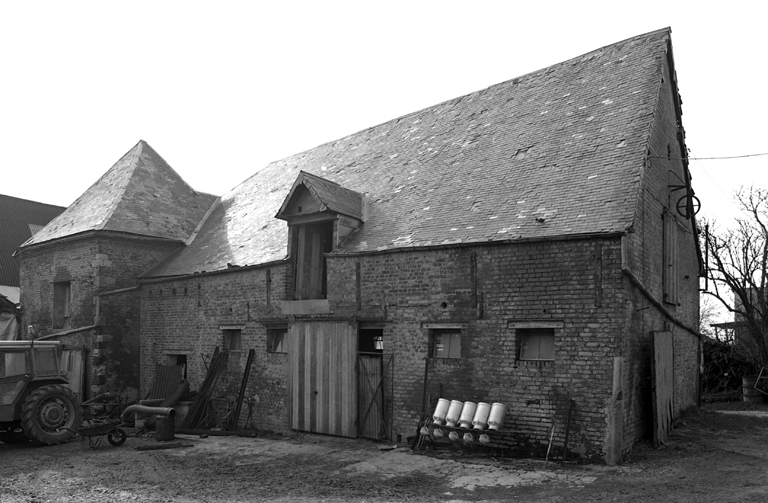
371	422
663	374
323	385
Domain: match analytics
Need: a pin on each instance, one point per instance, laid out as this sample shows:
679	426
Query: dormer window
321	214
312	242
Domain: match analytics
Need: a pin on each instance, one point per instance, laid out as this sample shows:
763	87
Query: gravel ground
710	457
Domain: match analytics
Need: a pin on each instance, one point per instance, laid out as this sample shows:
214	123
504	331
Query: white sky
221	89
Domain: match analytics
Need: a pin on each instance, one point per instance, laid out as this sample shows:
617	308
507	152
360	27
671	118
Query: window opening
45	362
14	363
61	304
232	339
446	343
536	344
670	273
313	241
276	340
179	360
370	340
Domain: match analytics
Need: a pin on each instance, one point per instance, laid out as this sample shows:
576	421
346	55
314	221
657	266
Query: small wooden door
373	371
323	384
663	374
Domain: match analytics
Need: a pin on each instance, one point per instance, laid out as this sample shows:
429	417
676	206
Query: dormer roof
326	195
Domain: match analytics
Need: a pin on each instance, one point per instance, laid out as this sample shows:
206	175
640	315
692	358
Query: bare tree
738	259
708	315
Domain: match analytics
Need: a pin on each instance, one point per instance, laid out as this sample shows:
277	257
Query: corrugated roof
19	219
140	194
557	152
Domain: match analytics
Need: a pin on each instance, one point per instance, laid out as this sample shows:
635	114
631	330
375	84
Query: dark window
276	340
670	273
313	241
446	343
370	340
14	363
45	362
232	340
61	304
536	344
179	360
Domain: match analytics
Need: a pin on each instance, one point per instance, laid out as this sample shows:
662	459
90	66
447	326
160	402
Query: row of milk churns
469	414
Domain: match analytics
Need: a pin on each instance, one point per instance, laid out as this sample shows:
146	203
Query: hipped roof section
141	195
557	152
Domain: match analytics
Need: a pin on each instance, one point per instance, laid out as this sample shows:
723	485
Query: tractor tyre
51	414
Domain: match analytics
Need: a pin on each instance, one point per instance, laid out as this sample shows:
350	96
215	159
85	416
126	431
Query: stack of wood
198	408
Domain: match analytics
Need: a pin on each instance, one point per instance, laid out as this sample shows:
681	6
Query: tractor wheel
117	437
51	414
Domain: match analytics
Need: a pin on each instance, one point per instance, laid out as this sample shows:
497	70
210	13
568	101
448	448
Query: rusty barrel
750	389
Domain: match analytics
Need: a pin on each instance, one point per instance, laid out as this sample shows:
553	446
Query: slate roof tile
19	220
565	143
140	194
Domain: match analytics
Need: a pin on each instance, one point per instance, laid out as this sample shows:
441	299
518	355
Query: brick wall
662	175
482	288
185	316
94	264
485	288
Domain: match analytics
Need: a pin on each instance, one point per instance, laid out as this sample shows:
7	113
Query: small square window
232	339
276	340
537	344
446	343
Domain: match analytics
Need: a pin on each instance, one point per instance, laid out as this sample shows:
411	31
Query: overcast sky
220	89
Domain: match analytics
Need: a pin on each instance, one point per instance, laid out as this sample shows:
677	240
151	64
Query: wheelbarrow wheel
117	437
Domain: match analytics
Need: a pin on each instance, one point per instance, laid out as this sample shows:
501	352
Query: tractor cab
34	399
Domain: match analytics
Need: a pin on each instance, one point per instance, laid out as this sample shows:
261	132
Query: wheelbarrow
95	433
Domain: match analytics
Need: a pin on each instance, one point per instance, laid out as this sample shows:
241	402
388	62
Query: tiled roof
141	194
557	152
19	219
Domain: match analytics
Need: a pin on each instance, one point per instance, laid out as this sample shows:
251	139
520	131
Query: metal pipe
160	411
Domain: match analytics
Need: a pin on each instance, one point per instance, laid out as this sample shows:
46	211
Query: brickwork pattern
662	175
185	316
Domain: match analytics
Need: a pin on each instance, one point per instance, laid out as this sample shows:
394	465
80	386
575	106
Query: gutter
473	244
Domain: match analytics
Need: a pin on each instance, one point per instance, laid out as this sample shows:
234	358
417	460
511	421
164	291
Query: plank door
663	374
322	356
371	397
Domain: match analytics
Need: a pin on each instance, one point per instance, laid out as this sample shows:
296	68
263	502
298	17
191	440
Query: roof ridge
121	192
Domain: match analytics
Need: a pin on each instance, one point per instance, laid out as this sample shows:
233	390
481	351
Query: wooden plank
370	398
324	385
663	386
348	340
615	430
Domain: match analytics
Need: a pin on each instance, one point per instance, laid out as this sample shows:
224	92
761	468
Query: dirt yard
711	456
